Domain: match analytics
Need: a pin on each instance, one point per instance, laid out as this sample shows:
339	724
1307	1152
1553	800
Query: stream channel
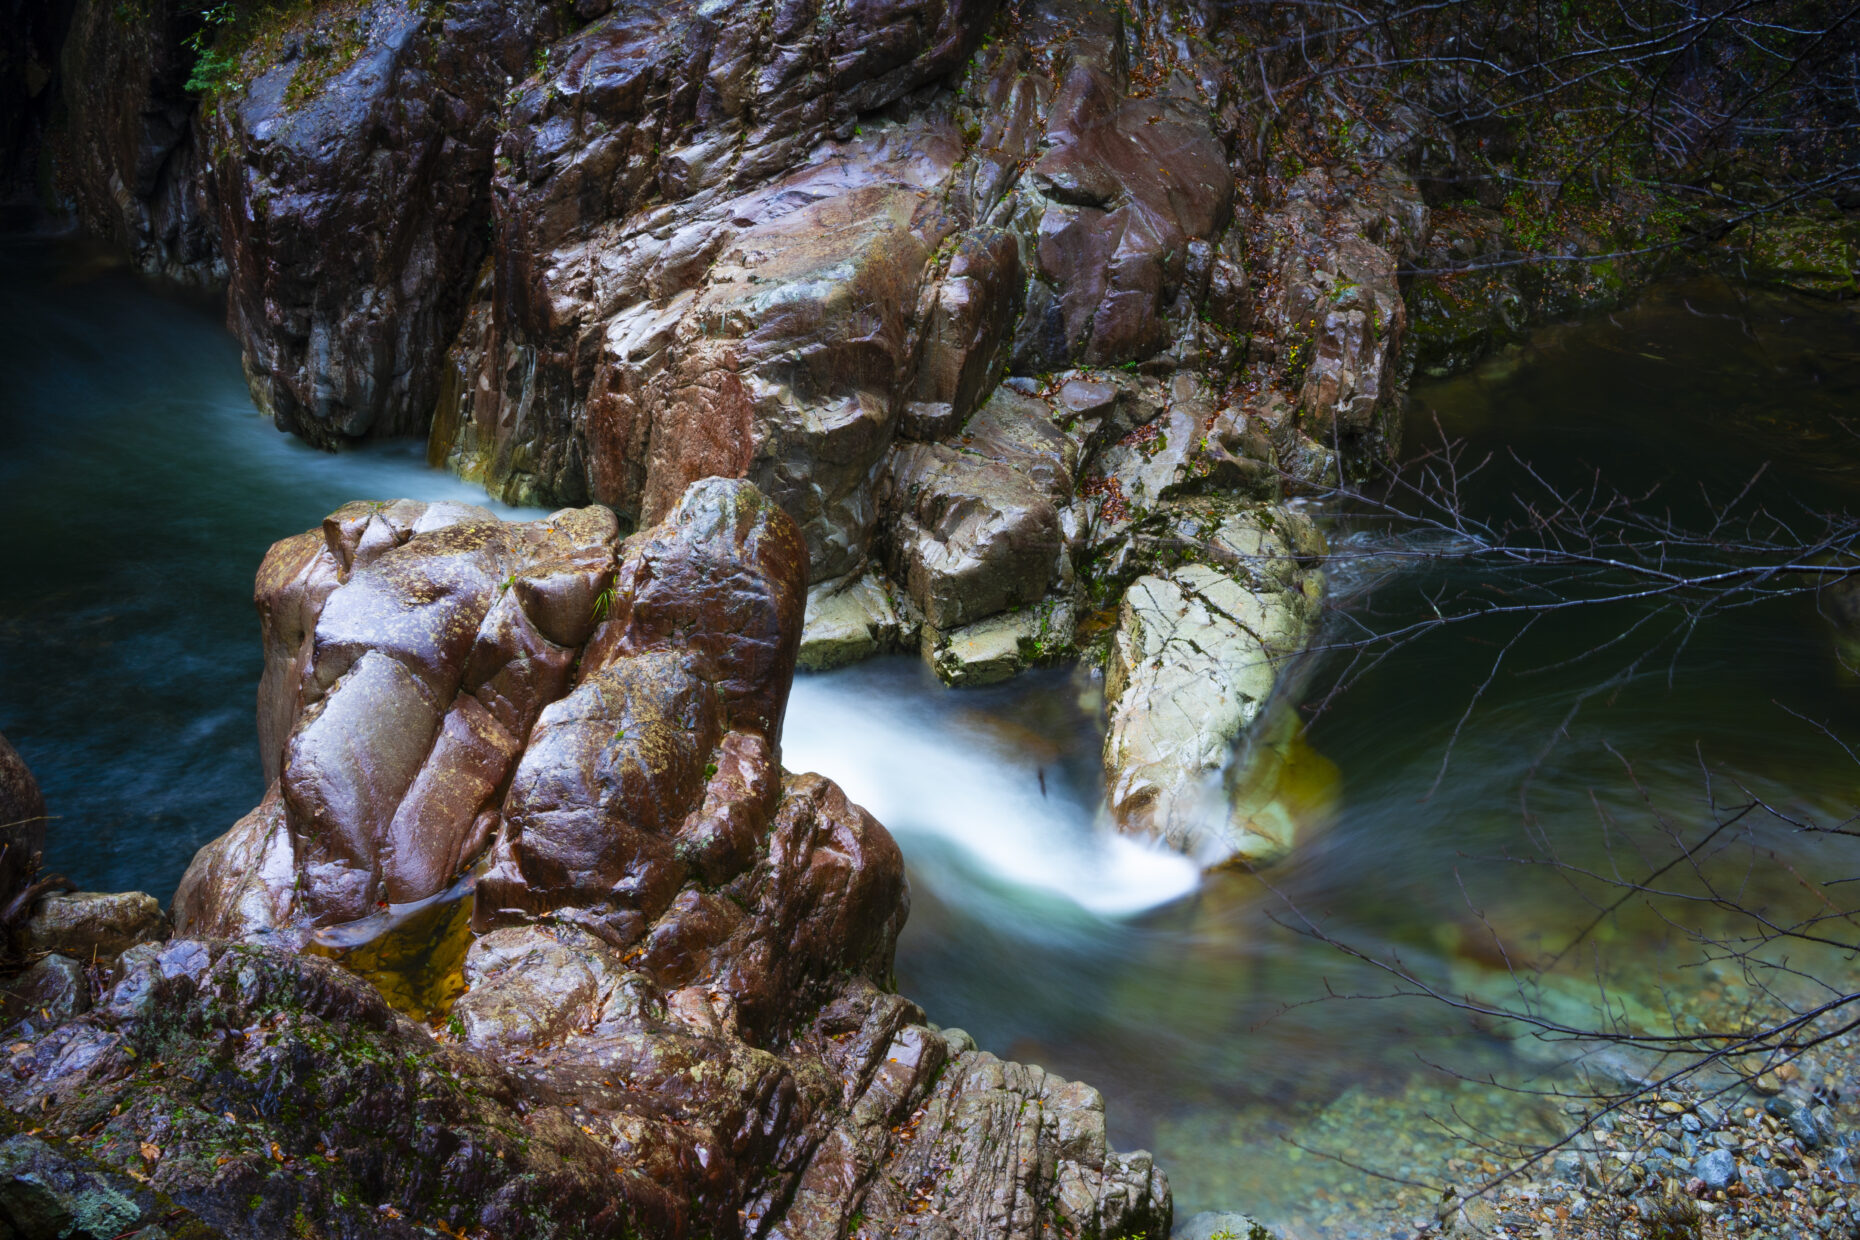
139	490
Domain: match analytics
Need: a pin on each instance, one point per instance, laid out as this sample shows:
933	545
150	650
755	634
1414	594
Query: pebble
1716	1168
1802	1123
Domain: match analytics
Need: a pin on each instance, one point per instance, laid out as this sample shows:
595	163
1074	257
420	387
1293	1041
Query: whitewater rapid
933	769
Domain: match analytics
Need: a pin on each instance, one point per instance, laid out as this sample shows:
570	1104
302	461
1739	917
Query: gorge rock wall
989	298
129	156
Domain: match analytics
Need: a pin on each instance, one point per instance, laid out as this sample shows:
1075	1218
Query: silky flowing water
139	489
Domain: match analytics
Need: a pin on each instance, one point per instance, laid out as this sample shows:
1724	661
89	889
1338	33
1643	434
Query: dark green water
139	489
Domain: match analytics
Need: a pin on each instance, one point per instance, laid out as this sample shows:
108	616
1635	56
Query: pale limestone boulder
852	618
1198	652
1000	647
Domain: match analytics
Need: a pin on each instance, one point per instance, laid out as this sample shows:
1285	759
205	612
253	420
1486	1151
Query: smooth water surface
139	490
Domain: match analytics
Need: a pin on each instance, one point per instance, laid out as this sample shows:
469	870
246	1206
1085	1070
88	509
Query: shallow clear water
139	490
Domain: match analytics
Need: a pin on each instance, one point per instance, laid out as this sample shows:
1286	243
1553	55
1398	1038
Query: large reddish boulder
675	948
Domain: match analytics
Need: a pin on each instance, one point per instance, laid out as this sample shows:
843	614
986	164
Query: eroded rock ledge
986	296
664	1006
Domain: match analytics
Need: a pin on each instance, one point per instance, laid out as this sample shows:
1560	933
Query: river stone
243	885
1089	401
999	647
54	988
409	649
1802	1124
1716	1168
983	653
93	925
1196	657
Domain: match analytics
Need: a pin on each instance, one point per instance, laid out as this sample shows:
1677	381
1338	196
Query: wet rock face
125	154
1332	323
741	277
966	289
757	321
22	823
409	651
972	536
418	667
766	336
676	978
353	190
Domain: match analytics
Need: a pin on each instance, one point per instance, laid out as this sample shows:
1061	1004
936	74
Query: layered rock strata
669	1010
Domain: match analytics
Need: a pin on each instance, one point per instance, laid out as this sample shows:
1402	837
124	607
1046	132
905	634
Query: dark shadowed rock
22	823
50	1188
353	195
258	1088
124	152
53	988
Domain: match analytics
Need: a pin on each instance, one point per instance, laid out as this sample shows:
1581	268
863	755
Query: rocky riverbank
986	297
1765	1159
629	976
1026	312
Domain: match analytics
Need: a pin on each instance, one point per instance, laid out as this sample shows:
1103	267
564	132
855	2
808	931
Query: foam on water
928	769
